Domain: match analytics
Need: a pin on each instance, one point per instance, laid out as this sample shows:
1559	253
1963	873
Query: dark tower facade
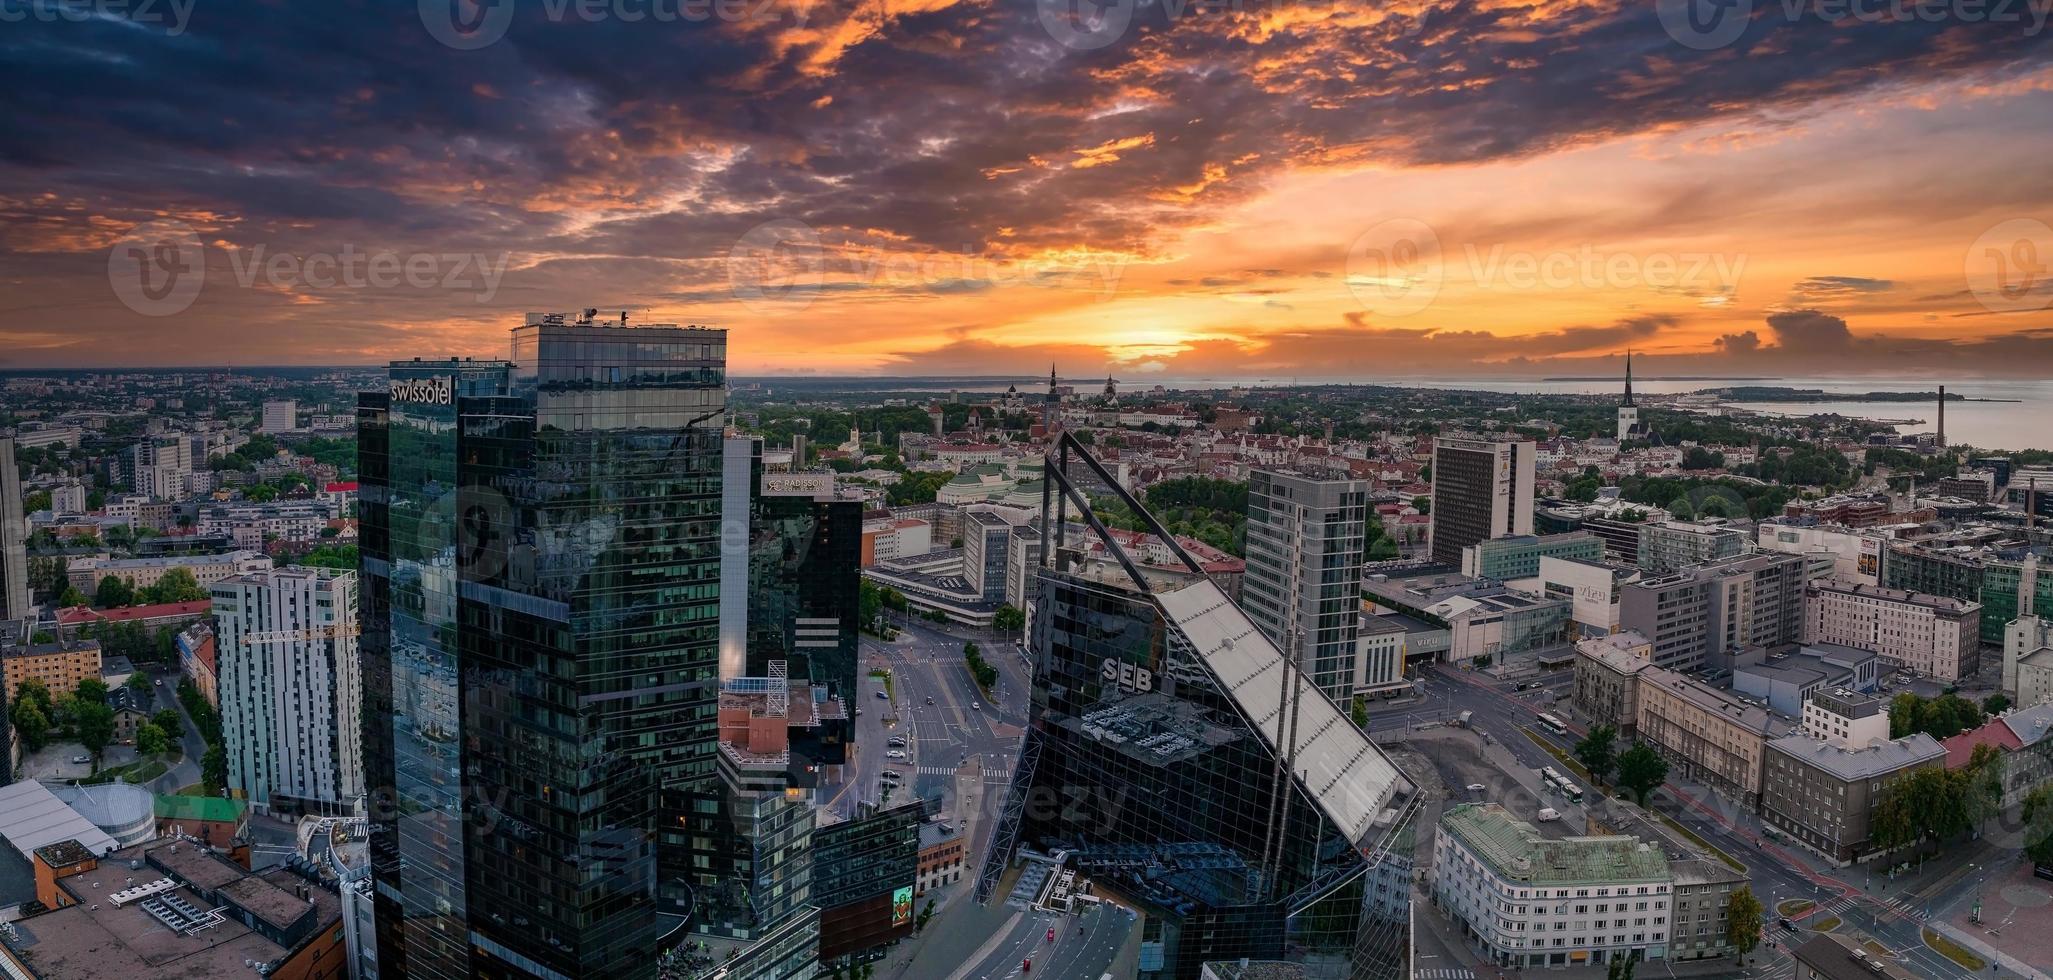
540	553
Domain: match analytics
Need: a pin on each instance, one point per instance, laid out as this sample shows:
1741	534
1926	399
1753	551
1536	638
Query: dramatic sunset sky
1319	188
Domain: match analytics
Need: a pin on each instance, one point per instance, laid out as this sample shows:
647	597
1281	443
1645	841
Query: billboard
901	906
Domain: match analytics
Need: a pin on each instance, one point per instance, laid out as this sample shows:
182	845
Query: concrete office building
1708	734
1481	490
1785	681
1667	546
2008	582
1856	553
291	684
1702	616
1379	658
1305	544
2028	660
1820	786
1530	901
1592	588
162	467
1935	636
280	416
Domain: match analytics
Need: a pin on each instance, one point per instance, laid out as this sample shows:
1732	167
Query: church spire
1627	403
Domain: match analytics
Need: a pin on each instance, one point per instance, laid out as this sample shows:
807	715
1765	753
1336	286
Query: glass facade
540	544
1146	769
864	871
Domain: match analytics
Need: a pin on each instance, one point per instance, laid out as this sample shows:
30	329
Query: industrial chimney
1942	416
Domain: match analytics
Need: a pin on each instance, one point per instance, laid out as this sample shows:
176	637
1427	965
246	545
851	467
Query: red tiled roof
77	615
1961	747
342	487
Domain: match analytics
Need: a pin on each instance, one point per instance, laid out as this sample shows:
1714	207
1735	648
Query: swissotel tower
540	541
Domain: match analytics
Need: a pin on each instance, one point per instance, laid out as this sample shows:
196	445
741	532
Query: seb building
1151	760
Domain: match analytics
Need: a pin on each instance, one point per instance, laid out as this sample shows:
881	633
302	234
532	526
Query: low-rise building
1668	546
1590	586
1710	735
1702	888
141	573
941	860
1607	672
1784	680
1530	901
1379	658
1933	635
2028	660
1518	556
1829	956
196	660
59	666
2031	765
1820	786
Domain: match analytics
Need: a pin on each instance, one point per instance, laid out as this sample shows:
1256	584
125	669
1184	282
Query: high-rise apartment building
162	466
541	621
14	565
1482	489
1303	587
280	416
290	685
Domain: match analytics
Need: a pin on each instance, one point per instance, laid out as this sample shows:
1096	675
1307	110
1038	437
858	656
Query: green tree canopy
1598	752
114	592
95	723
151	740
1641	770
1743	912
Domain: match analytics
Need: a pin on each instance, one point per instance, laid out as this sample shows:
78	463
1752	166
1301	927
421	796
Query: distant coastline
1665	377
1763	393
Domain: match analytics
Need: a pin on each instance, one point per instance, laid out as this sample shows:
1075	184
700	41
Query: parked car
896	741
895	754
82	759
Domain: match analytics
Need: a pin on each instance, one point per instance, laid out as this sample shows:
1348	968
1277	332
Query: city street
1891	912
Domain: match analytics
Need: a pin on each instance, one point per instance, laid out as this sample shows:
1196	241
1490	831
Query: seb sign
1139	680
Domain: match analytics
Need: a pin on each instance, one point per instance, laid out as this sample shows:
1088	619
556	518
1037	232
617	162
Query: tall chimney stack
1942	416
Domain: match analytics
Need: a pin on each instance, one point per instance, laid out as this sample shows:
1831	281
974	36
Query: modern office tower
1481	490
161	466
1667	546
1305	542
1235	806
540	609
14	562
2008	582
1629	426
1519	557
290	684
280	416
1700	616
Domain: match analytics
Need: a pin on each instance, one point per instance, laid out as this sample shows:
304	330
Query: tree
169	720
2038	829
95	723
176	585
91	690
1641	770
71	596
926	912
114	592
1995	704
150	740
1598	752
214	769
1743	913
138	681
1383	550
1008	620
1358	712
31	723
1681	510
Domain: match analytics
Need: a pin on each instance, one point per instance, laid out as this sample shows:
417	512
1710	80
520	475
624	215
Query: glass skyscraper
1180	760
540	543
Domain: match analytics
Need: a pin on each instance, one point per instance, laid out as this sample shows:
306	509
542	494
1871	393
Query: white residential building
1856	553
2028	660
289	683
280	416
1531	901
1933	635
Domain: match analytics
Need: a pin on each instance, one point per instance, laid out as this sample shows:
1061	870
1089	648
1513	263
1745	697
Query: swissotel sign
426	391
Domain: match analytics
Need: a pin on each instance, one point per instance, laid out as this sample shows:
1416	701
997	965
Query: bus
1572	791
1551	779
1553	725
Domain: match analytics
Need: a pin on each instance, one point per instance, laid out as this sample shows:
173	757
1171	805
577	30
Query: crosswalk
1906	909
990	775
1447	973
1898	906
